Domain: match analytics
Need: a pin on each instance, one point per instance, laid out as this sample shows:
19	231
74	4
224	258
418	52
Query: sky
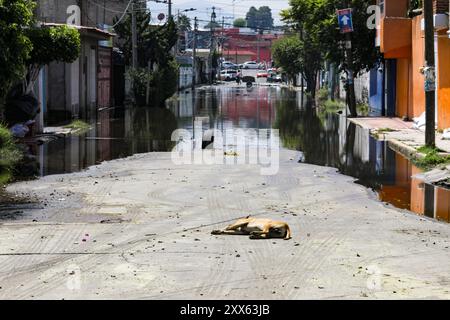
224	8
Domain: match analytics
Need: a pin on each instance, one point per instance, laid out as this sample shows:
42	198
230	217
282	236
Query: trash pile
420	122
446	134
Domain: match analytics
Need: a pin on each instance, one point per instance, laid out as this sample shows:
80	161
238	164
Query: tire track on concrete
216	271
101	190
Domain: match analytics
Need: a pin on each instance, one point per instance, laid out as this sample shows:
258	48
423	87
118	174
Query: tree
265	17
287	53
59	44
157	74
184	23
259	18
316	21
252	17
27	47
15	17
240	23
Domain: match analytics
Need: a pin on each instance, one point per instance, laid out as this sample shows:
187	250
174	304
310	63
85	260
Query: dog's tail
288	233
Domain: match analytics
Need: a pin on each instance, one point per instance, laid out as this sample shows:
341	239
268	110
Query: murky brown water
325	139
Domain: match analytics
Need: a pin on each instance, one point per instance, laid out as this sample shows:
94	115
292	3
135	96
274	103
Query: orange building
401	40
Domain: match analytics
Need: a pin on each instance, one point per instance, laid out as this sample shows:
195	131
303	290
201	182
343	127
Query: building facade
397	84
79	89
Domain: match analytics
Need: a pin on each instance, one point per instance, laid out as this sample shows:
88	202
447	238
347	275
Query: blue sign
345	20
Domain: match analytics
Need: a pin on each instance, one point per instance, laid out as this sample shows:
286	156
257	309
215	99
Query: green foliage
322	95
259	18
163	83
287	53
317	25
381	130
184	23
240	23
140	78
432	158
26	48
427	149
15	17
332	106
59	43
9	154
154	44
363	109
78	126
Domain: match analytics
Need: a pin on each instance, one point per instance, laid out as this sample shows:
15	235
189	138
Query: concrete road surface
139	228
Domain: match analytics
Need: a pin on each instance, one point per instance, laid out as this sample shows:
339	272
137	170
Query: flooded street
324	139
116	217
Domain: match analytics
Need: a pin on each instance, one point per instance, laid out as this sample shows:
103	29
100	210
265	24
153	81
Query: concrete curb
403	149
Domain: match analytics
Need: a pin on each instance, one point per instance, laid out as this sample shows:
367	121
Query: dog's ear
247	217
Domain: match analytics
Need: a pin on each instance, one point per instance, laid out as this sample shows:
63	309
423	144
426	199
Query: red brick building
242	44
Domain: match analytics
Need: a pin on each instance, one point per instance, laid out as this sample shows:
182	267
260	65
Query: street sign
345	20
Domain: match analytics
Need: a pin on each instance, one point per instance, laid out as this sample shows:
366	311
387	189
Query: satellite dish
161	16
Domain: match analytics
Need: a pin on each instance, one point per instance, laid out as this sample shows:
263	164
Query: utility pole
430	77
351	97
212	49
134	35
222	42
194	53
170	9
257	46
177	44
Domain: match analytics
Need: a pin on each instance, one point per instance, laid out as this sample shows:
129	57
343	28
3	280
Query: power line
124	13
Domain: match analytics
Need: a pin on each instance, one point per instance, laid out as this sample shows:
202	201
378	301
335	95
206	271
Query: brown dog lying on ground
257	229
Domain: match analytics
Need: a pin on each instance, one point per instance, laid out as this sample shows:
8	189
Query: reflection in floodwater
325	139
115	134
329	139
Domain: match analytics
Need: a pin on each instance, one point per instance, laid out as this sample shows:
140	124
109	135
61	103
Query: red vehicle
262	74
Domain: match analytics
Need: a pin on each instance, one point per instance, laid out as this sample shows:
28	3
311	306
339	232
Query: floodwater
326	139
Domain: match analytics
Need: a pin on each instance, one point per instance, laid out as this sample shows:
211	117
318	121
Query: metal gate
104	77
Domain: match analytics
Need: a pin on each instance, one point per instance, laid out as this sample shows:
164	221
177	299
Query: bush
332	106
322	95
140	77
432	158
9	154
163	83
363	109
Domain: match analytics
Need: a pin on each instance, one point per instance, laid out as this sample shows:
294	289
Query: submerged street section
291	149
139	226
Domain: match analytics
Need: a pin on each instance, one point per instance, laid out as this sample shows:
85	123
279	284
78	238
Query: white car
228	75
229	65
250	65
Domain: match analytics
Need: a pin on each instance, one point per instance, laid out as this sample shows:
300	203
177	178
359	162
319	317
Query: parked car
229	65
250	65
228	75
274	77
262	74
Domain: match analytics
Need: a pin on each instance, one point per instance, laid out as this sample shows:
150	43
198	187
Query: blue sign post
345	20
